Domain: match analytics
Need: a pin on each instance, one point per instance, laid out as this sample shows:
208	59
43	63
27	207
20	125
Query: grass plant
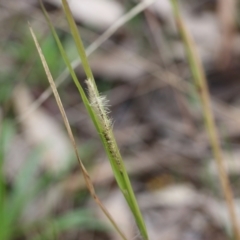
95	105
11	207
203	93
89	50
64	116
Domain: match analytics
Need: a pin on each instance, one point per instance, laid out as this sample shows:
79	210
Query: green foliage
76	219
99	118
26	187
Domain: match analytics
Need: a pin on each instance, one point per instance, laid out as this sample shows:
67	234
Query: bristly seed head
100	106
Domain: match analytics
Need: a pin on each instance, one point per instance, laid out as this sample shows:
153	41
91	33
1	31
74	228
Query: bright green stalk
67	125
73	74
99	106
69	66
203	92
78	41
106	134
114	157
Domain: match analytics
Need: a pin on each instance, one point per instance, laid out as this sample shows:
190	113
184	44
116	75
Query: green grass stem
99	117
106	133
67	125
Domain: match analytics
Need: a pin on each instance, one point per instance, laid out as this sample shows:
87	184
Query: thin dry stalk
70	134
202	88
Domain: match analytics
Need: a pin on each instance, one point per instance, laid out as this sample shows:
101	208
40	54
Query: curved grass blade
91	48
85	100
75	79
67	125
114	157
78	42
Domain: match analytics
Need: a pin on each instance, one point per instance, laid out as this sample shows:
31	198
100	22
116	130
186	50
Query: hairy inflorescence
100	107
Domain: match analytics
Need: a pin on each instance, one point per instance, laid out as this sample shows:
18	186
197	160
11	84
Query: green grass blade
105	130
69	66
93	47
22	195
78	41
73	74
70	134
79	87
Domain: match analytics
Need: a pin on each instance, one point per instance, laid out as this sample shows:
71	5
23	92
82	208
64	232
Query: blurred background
158	123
